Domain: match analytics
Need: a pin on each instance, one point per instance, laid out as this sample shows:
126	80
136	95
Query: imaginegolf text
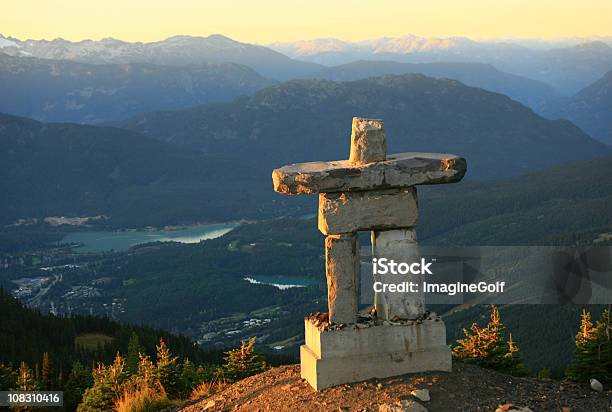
384	266
450	289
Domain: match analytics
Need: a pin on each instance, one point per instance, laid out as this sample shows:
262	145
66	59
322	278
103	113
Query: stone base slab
352	354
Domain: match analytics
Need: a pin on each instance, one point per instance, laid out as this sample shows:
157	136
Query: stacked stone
369	192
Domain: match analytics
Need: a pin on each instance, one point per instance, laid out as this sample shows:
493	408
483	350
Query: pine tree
134	351
487	347
8	378
166	370
243	362
593	353
25	382
189	378
107	387
46	372
78	381
146	371
25	379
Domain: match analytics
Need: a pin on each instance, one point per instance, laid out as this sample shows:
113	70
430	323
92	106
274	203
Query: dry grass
207	388
142	399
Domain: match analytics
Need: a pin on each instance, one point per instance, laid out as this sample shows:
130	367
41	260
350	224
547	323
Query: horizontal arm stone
399	170
375	209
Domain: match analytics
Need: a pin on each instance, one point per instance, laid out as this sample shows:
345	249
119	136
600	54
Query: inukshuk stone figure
370	192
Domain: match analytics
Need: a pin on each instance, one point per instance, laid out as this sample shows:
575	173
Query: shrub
487	347
107	387
593	353
243	362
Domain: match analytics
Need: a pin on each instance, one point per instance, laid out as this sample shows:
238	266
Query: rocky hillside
468	388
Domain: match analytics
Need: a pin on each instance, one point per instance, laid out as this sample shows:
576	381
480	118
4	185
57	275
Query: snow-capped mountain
174	51
568	68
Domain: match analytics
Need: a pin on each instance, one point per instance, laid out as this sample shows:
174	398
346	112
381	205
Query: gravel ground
467	388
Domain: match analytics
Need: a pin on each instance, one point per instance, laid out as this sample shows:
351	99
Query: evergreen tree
593	353
8	378
79	380
146	371
46	379
243	362
166	370
25	379
135	349
25	382
107	387
487	347
189	379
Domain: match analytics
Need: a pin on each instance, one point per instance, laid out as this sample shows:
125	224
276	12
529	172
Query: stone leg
400	246
342	272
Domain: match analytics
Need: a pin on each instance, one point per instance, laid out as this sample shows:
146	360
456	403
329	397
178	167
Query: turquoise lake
95	242
281	282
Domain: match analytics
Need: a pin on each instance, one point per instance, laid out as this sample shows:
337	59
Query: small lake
95	242
281	282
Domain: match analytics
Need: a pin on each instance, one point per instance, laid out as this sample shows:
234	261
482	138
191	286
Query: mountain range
306	120
174	51
65	90
591	109
213	162
532	93
568	68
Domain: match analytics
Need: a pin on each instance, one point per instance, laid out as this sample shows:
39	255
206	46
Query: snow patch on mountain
4	42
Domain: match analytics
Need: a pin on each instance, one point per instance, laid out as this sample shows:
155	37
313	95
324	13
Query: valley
221	290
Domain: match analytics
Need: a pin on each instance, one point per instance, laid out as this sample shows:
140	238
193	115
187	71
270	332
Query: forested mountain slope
310	120
64	90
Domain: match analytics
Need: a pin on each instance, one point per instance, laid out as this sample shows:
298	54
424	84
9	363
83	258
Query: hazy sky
264	21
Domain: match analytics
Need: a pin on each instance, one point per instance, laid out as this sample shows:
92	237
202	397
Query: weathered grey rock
421	394
405	405
377	209
401	246
342	271
596	385
399	170
368	141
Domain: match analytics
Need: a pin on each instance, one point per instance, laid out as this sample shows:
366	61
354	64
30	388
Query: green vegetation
123	377
49	352
487	347
32	334
593	354
565	205
243	362
151	386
